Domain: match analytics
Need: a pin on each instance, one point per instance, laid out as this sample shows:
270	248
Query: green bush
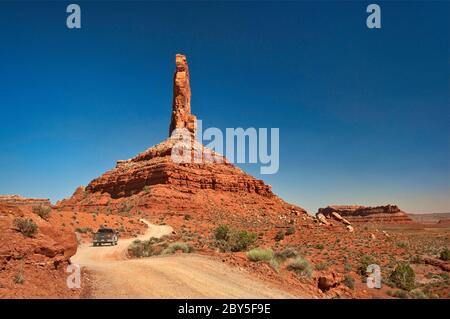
274	264
240	240
290	231
403	277
402	245
26	226
364	262
445	254
19	278
300	266
233	240
279	236
288	252
259	254
319	246
347	266
173	247
42	211
398	294
349	282
221	232
417	294
321	266
139	248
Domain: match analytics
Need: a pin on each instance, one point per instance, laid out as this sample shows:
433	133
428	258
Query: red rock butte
363	214
166	184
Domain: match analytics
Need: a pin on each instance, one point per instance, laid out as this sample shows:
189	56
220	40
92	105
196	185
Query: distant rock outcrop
363	214
18	200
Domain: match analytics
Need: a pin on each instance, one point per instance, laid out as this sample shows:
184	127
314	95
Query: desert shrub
125	208
144	248
26	226
398	294
417	294
445	254
364	262
147	189
319	246
187	217
279	236
173	247
83	230
290	231
240	240
274	264
347	265
321	266
259	254
221	232
19	278
300	266
233	240
349	282
444	276
403	277
402	245
286	253
42	211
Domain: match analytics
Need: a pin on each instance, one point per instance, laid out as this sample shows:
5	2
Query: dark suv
106	236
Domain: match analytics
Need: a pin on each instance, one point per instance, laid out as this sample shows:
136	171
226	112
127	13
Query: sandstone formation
154	180
362	214
33	266
17	200
329	281
181	104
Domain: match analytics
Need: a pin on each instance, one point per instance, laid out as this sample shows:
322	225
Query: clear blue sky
363	114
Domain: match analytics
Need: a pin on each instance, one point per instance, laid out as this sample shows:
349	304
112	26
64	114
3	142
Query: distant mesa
17	200
441	219
364	214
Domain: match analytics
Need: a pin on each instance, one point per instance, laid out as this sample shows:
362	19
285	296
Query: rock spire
181	104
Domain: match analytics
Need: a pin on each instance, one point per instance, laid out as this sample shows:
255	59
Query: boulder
329	281
322	219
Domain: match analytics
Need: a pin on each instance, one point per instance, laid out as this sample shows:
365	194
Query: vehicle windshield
105	230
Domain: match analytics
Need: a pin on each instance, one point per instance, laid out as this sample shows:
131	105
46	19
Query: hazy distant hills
429	218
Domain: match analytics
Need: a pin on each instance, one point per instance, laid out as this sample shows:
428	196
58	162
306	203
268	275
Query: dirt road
175	276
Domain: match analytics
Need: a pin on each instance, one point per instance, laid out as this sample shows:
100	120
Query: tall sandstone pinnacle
181	104
156	183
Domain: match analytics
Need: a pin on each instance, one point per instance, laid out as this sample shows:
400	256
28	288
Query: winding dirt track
175	276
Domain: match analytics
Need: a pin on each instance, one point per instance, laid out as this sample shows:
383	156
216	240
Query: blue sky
363	114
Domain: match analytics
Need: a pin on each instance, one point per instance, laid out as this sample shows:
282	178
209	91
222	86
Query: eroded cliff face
363	214
156	167
33	265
